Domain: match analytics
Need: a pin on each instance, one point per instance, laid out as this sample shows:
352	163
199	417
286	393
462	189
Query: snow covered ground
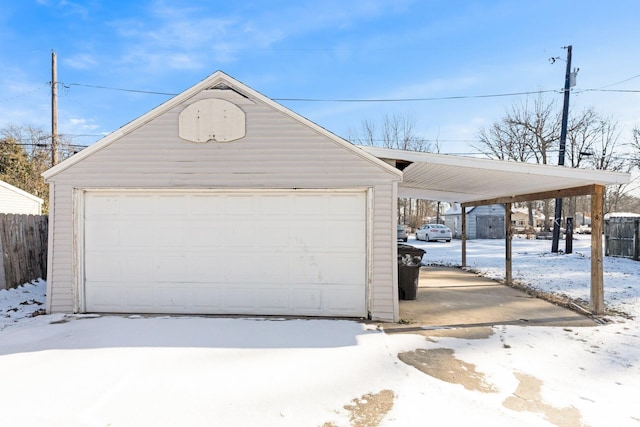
61	370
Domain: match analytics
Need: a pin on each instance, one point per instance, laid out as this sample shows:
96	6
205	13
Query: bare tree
635	146
26	153
398	132
505	142
393	131
530	132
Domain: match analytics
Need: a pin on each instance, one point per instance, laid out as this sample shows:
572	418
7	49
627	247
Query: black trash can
409	262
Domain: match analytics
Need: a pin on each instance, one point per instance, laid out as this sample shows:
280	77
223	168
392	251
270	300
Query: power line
610	90
353	100
497	95
20	95
621	81
380	100
441	98
120	89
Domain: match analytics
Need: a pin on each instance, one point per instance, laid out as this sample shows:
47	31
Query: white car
402	233
431	232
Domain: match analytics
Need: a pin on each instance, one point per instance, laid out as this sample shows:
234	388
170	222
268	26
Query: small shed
622	235
483	222
16	201
222	201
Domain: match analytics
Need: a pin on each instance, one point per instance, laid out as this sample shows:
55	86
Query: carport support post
597	277
507	241
464	236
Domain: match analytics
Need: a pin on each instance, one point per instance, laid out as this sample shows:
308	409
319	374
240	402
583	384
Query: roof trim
21	192
212	81
601	176
470	181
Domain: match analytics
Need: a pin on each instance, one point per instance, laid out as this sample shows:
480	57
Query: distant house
483	222
16	201
520	219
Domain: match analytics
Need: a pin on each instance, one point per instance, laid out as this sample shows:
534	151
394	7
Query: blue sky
320	50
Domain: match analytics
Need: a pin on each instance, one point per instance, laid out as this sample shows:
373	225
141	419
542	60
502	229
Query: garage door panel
310	206
270	269
239	204
342	268
307	268
273	235
285	252
307	300
139	297
345	205
273	300
344	301
204	234
307	235
137	266
172	297
275	205
170	235
238	234
103	205
345	235
135	205
239	299
206	205
205	298
171	205
104	266
170	268
136	232
105	297
105	232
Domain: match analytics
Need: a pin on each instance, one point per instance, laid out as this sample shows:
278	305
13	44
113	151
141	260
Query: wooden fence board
622	237
23	245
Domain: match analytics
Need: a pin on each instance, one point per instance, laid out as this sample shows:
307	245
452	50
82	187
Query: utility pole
563	141
54	110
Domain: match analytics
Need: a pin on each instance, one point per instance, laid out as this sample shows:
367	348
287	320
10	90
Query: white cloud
82	61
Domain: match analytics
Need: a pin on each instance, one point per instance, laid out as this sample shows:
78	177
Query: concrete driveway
451	298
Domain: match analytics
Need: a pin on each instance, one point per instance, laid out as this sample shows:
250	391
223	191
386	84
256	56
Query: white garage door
289	252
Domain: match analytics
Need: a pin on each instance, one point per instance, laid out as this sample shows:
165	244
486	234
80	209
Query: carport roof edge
460	179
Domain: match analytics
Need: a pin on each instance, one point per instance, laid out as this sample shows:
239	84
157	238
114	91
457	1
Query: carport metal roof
473	181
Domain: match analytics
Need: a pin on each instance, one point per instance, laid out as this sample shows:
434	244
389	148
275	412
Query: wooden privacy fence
622	237
23	245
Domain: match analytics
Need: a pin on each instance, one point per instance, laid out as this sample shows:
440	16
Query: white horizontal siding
61	269
277	152
15	203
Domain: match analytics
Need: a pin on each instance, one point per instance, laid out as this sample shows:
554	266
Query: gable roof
22	193
216	80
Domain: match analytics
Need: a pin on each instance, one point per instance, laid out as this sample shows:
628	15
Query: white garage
250	252
221	201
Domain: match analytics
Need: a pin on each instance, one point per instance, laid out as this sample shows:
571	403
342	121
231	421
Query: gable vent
214	120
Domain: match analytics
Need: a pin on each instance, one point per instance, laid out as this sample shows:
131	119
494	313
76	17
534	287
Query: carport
475	182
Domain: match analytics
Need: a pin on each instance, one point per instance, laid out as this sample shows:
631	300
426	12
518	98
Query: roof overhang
216	80
473	181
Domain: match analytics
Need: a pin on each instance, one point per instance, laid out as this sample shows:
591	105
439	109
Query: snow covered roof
621	215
